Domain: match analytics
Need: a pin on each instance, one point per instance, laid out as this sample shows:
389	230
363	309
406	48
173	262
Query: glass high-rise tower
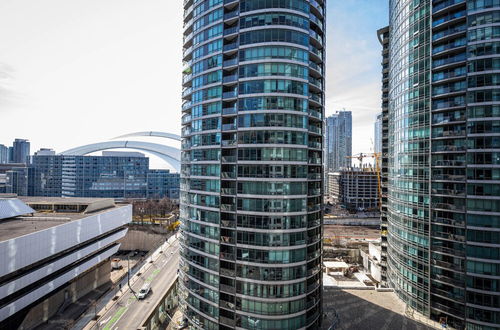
251	181
443	208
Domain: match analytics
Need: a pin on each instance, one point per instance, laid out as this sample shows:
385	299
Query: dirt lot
351	232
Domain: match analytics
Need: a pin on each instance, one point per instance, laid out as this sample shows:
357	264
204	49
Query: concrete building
20	151
355	189
443	210
252	155
372	261
52	252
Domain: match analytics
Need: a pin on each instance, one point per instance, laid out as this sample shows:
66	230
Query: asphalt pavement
127	312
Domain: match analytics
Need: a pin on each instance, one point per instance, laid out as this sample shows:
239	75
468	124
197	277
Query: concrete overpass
126	312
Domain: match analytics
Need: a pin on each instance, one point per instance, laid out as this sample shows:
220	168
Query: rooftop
50	212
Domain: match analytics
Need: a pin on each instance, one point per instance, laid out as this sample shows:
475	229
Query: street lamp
128	275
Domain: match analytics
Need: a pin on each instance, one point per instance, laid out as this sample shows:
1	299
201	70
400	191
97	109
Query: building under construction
355	189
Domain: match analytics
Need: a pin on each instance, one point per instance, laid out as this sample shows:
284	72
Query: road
128	312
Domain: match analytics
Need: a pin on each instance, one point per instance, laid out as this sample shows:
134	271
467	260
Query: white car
145	290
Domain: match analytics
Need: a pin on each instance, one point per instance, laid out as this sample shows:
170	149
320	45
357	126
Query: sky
74	72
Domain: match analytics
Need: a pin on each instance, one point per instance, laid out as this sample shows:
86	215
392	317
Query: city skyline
117	59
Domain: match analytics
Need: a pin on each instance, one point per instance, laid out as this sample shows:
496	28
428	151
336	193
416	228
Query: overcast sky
73	72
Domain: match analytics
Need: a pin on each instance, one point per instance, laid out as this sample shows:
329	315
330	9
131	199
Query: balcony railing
232	14
229	95
230	62
228	175
231	46
227	207
229	111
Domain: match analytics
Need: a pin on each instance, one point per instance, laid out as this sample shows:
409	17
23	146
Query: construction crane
376	156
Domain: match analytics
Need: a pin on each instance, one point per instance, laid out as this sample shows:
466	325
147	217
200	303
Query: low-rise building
53	251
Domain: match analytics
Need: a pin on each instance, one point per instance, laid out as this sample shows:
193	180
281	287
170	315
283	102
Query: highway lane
128	312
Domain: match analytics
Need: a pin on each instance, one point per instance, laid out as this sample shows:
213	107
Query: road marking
104	321
153	275
119	313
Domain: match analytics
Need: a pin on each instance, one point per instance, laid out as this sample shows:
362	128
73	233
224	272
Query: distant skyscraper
252	155
377	142
4	154
338	140
20	151
443	210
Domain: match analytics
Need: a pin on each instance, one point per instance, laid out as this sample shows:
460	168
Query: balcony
228	143
227	256
313	208
187	51
228	175
229	79
228	207
231	30
228	127
314	176
315	145
228	223
228	191
231	46
187	92
229	159
186	105
231	62
224	320
315	129
230	95
315	161
316	52
226	304
229	111
316	6
316	20
316	67
314	192
186	78
316	36
231	15
316	98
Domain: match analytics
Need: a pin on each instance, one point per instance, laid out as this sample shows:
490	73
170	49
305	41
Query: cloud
6	78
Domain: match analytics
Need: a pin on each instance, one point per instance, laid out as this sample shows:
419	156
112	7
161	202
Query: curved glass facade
251	179
444	207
